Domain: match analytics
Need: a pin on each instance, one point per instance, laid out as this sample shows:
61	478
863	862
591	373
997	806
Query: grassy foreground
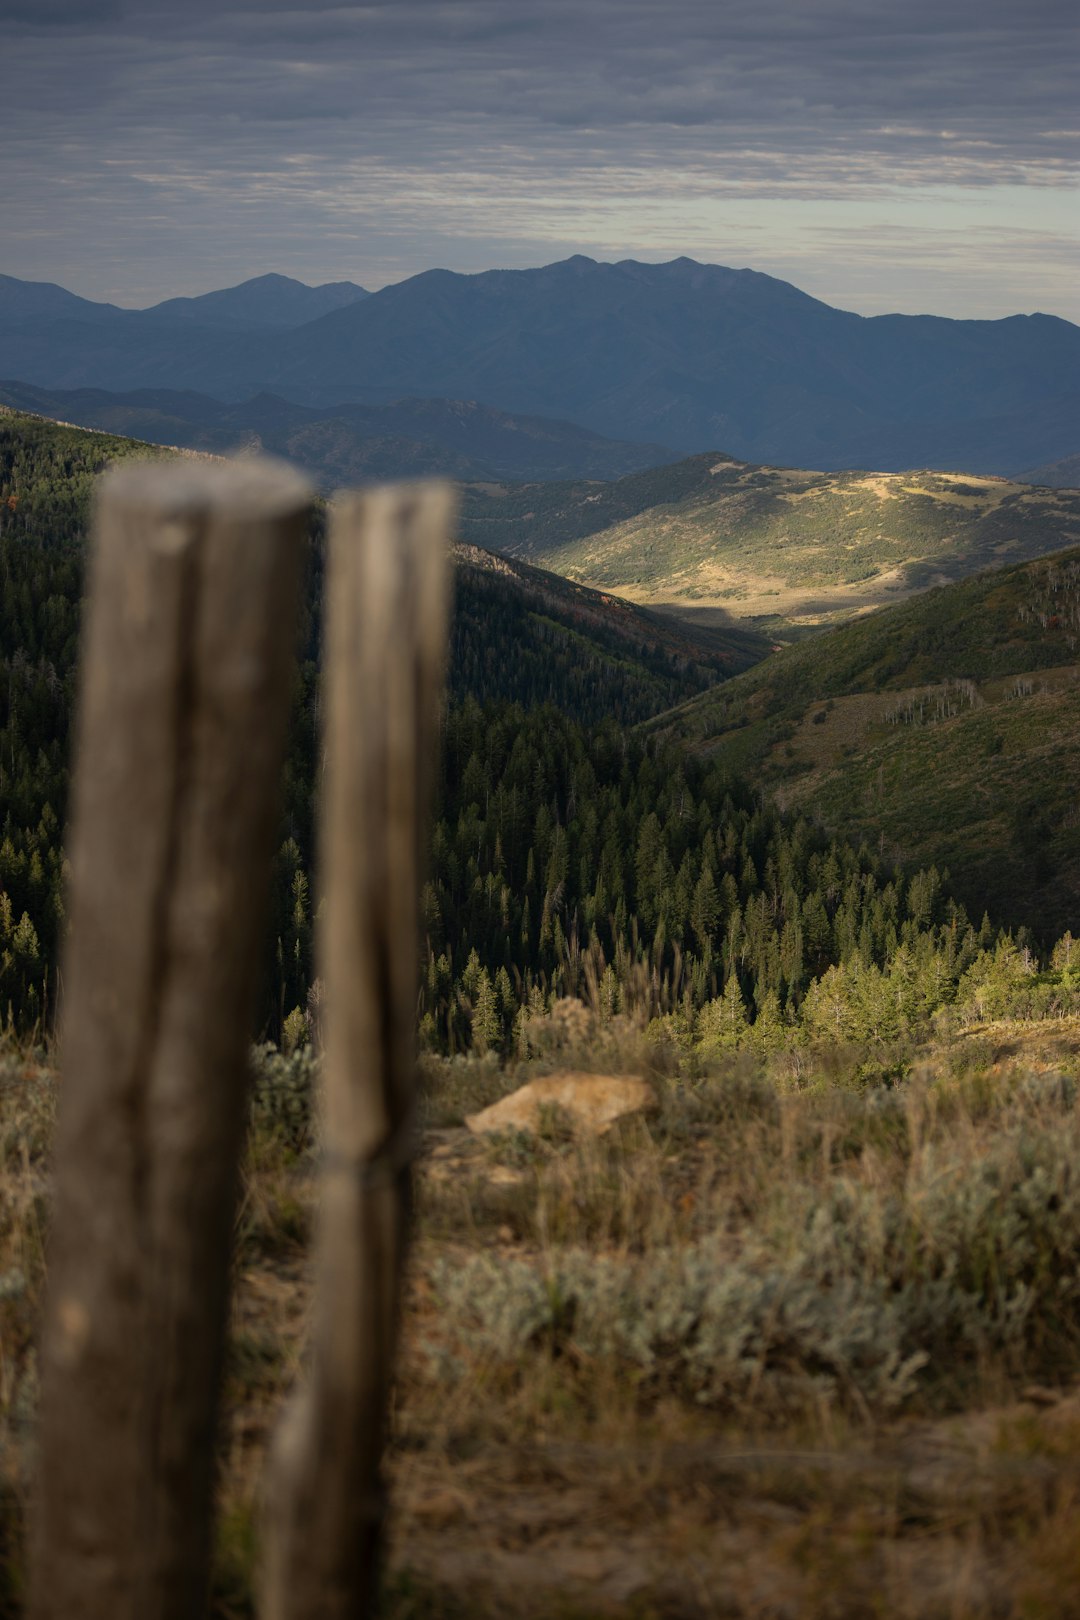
804	1342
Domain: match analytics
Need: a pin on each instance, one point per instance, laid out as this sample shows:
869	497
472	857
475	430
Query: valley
804	1332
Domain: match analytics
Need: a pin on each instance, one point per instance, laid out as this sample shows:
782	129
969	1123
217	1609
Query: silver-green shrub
282	1098
860	1289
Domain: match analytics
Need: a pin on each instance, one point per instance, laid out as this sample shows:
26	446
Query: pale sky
911	155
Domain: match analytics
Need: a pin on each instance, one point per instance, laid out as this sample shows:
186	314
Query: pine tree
705	908
768	1032
722	1025
486	1023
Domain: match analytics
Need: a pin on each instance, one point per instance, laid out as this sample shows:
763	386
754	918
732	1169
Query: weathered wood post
185	687
387	584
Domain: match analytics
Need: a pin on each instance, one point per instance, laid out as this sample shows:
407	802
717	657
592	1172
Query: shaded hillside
521	634
409	438
1063	474
527	635
682	354
944	730
714	533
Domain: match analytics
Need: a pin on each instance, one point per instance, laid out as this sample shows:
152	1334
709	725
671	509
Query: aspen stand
187	654
387	591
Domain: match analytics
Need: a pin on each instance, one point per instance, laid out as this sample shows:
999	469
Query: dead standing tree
185	687
387	582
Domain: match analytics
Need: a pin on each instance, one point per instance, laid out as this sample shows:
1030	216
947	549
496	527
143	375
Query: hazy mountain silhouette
337	444
44	300
264	301
1061	474
691	356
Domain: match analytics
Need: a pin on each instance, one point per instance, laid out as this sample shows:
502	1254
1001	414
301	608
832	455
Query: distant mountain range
272	301
343	444
684	355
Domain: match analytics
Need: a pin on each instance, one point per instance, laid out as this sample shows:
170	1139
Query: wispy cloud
159	148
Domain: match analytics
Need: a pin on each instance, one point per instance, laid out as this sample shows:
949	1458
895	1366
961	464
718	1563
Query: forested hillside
46	479
945	729
518	634
524	634
570	855
595	867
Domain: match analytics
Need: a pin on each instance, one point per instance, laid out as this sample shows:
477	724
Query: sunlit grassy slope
710	534
946	729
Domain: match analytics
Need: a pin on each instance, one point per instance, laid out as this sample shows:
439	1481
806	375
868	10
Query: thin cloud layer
152	149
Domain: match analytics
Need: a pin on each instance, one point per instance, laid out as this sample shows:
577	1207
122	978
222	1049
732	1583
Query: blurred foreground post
387	588
187	654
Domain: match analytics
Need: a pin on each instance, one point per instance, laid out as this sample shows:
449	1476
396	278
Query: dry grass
830	733
27	1101
545	1462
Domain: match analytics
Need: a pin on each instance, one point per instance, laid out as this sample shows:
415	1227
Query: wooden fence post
387	584
187	653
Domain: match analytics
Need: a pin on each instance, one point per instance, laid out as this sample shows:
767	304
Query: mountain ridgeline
347	444
685	355
276	302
